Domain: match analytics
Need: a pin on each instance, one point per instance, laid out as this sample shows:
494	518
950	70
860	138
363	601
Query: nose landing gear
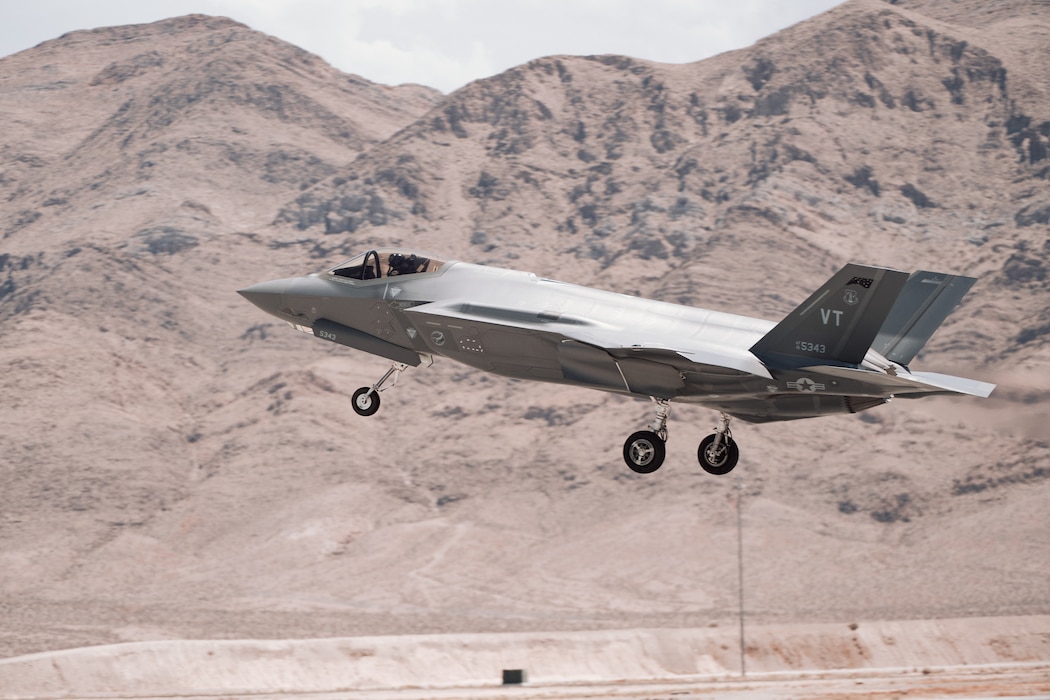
366	399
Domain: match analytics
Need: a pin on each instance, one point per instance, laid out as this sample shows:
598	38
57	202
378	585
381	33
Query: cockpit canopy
386	262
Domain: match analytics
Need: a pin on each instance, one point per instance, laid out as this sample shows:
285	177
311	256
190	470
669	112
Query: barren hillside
174	464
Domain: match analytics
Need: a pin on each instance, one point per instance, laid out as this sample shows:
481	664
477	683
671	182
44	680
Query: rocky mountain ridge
176	464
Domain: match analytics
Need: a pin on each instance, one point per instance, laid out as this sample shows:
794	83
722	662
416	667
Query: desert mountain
173	463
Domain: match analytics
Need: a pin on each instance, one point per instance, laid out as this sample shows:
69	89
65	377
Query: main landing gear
718	453
645	450
366	399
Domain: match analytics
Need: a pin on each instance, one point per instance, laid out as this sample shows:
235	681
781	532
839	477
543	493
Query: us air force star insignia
851	297
806	385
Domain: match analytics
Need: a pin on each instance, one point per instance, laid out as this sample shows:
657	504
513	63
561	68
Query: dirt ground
974	657
989	682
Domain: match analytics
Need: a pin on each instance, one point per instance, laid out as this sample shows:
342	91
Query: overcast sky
443	43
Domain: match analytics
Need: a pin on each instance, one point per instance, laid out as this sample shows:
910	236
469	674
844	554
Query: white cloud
446	43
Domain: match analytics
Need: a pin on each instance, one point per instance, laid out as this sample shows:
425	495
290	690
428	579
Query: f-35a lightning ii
845	349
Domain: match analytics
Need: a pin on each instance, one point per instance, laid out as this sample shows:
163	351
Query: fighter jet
845	349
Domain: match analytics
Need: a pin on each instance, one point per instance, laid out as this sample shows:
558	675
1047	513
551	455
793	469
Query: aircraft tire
365	404
644	452
718	463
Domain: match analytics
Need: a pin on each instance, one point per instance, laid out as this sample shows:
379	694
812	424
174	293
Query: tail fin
927	299
838	323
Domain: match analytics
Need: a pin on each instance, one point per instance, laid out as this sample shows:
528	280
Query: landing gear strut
718	453
366	399
644	451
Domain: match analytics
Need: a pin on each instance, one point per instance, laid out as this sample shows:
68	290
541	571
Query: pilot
396	265
402	265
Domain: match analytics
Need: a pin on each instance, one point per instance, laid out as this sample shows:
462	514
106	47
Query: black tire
721	462
363	403
644	452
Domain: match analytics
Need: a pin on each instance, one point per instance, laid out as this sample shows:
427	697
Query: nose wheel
366	399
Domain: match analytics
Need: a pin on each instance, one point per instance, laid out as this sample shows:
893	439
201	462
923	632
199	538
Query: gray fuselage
519	325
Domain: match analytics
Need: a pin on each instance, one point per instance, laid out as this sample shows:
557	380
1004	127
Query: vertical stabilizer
927	299
838	323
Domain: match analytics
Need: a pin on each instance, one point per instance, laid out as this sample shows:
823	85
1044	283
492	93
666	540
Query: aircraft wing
713	358
592	352
600	335
650	371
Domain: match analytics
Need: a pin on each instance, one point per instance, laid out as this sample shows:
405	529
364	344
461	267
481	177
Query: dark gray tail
927	299
838	323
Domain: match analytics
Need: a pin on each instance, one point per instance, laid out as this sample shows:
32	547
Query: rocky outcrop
176	464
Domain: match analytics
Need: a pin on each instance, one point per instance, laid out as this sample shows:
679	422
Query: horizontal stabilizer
955	385
911	384
838	322
923	304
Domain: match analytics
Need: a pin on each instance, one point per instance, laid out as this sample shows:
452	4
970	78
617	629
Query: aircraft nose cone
268	296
